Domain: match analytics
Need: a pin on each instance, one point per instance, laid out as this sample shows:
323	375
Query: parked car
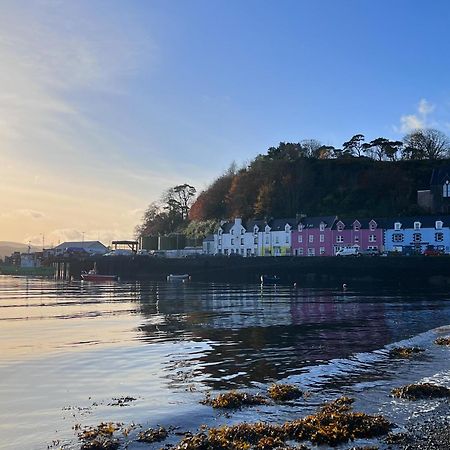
369	252
348	251
119	252
433	252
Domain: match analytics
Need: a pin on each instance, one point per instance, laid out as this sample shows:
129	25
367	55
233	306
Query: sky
104	104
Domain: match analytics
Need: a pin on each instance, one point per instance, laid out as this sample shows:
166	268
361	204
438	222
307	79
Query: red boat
92	275
97	277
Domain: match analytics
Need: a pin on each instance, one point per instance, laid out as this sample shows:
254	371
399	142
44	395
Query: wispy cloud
420	119
22	213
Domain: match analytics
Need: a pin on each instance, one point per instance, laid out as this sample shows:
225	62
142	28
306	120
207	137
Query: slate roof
348	222
80	244
209	238
279	224
426	221
314	222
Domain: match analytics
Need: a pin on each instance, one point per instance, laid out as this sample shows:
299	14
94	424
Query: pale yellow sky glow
63	171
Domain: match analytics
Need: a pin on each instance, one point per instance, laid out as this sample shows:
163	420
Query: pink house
364	233
313	236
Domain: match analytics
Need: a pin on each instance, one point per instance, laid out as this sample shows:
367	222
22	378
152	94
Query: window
340	226
372	225
242	251
322	238
417	225
397	237
356	239
397	226
311	252
300	227
267	239
277	240
322	250
287	239
438	225
322	227
417	237
232	241
255	230
372	238
242	231
356	226
225	252
242	241
438	237
248	252
372	247
300	252
220	232
446	189
255	240
300	239
232	231
311	238
339	239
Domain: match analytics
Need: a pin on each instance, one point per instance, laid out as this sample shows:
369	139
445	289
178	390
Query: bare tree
427	143
310	147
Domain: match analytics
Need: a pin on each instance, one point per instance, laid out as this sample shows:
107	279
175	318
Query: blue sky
104	104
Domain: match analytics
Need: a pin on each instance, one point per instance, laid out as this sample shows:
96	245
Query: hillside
270	187
6	248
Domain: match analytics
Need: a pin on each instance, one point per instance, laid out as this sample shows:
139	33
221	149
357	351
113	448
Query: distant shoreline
43	271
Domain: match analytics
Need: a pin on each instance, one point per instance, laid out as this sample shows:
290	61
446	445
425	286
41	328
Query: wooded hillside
272	187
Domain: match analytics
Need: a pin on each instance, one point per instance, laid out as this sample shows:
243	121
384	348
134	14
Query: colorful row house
312	236
417	234
365	234
326	235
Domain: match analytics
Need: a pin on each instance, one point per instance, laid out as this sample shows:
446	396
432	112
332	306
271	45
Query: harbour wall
314	271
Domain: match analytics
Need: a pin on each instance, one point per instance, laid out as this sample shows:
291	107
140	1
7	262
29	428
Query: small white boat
178	277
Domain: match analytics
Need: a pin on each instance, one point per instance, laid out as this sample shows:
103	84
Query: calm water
69	349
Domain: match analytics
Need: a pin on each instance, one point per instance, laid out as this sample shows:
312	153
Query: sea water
70	351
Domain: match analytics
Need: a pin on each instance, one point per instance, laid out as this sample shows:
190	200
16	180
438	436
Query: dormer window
322	226
417	225
255	229
232	231
242	231
300	227
220	232
438	225
267	229
446	189
287	228
397	226
356	226
340	226
372	225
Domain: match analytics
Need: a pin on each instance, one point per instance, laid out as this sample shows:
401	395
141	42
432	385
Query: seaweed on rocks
333	424
234	400
283	392
442	340
153	435
99	437
421	391
404	352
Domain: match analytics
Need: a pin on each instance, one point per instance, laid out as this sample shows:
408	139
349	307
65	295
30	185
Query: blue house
416	234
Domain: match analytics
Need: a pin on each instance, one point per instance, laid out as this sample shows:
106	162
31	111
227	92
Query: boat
178	277
270	279
92	275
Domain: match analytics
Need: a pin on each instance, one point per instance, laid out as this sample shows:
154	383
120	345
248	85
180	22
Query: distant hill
6	248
